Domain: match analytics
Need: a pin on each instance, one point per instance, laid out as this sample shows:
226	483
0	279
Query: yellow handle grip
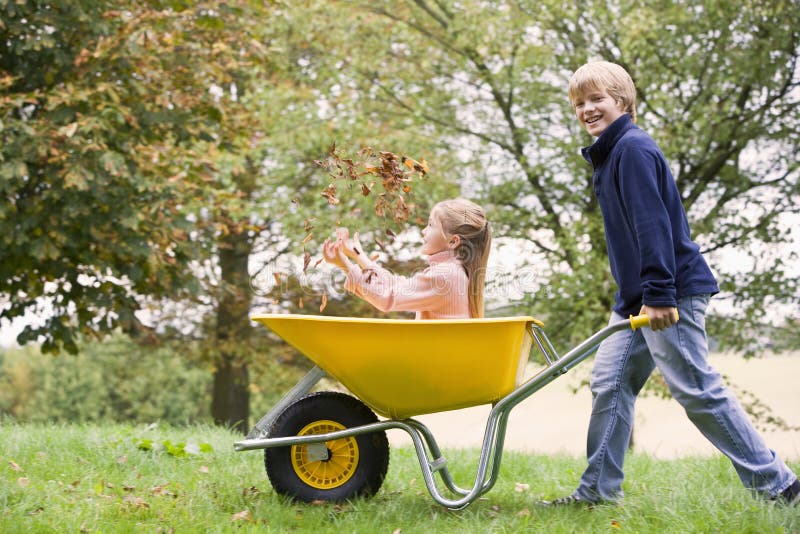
638	321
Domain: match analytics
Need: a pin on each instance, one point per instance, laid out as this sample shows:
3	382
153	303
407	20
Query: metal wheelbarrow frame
317	442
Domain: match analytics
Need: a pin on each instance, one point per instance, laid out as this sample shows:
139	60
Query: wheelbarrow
331	446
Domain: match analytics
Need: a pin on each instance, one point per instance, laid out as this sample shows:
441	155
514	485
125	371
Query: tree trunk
230	405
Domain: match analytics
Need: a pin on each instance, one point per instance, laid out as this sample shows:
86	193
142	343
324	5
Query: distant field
554	419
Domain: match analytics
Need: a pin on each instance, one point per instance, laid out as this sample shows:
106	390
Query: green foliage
111	381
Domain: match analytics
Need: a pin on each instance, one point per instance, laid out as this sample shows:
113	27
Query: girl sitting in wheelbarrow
456	240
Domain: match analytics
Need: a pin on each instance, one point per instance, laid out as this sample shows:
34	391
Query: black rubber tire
373	448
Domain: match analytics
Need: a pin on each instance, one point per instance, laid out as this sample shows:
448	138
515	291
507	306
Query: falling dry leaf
330	194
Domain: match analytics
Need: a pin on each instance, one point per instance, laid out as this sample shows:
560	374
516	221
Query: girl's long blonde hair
463	218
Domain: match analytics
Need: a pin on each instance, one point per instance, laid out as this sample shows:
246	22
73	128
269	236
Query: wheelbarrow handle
638	321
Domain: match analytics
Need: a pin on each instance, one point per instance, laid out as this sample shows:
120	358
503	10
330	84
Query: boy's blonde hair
467	220
608	77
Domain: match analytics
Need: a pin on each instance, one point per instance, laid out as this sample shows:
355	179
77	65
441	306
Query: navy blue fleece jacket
653	258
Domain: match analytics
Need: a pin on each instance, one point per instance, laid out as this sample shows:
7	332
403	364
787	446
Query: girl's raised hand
352	249
331	251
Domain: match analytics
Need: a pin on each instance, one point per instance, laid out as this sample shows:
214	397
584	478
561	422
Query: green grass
94	478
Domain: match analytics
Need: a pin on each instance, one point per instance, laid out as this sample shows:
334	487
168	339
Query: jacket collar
440	257
597	153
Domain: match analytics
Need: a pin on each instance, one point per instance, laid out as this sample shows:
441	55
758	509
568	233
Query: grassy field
133	479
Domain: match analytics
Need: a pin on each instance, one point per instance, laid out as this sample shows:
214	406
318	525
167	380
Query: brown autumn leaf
23	482
14	465
306	260
136	502
324	302
307	238
252	491
519	487
330	194
316	264
244	515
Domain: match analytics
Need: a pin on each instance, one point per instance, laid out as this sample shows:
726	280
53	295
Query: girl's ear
454	242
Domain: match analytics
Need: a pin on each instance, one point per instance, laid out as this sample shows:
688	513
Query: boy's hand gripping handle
639	321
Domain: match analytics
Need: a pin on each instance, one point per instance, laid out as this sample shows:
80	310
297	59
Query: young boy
659	271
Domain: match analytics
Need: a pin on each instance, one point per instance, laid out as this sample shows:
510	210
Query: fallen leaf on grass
161	491
615	524
122	459
397	531
136	502
251	491
14	465
519	487
23	482
244	515
524	513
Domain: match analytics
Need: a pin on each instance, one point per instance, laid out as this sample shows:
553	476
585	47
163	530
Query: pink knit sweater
438	292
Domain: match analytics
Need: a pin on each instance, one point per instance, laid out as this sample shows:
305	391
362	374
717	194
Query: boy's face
596	110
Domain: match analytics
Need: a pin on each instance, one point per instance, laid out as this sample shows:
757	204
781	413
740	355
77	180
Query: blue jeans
622	365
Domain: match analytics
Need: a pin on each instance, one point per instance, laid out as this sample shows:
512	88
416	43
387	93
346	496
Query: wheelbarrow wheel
335	470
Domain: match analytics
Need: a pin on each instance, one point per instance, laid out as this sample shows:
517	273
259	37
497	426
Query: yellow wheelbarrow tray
331	446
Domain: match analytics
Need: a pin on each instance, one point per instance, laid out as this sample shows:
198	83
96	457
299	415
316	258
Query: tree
117	164
150	150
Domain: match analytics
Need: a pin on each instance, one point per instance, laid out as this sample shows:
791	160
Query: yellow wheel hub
325	465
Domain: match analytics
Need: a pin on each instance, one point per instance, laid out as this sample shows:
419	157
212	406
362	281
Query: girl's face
596	110
433	238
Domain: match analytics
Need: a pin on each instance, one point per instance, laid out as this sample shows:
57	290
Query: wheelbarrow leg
301	388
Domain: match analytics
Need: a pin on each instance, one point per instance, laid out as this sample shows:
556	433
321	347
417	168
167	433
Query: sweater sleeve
425	291
643	177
